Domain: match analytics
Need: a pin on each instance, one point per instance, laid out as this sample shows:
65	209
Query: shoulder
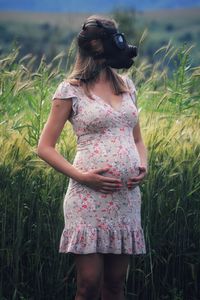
129	83
65	90
131	88
65	84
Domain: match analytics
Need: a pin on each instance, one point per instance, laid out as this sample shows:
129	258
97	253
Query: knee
115	287
89	288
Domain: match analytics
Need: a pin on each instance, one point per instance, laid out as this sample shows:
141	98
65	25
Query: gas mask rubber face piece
117	53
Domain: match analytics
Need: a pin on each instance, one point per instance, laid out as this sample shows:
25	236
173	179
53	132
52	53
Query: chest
115	101
95	115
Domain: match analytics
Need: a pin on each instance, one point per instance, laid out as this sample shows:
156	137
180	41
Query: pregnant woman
102	203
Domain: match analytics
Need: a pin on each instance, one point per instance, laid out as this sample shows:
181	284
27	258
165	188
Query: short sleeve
66	91
132	89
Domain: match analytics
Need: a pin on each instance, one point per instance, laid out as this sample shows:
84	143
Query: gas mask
116	52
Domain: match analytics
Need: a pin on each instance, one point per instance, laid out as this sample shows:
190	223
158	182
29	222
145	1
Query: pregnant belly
123	163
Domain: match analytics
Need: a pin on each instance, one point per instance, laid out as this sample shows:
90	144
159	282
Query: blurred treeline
50	34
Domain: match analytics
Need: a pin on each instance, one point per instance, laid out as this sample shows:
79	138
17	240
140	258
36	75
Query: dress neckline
118	109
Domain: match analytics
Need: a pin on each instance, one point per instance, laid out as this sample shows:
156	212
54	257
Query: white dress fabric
96	222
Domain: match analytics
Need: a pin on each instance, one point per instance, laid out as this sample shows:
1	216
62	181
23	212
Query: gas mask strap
94	23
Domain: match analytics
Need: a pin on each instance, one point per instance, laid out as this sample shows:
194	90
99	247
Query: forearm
59	163
143	153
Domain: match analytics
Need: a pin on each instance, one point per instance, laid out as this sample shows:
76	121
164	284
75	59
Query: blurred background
36	52
48	27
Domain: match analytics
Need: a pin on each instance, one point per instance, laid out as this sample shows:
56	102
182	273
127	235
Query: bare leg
89	276
115	268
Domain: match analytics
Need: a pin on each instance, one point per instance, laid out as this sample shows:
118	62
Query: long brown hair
86	65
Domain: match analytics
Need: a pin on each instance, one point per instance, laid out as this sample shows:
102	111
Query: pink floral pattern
97	222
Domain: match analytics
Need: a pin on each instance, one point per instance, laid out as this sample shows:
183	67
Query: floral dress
96	222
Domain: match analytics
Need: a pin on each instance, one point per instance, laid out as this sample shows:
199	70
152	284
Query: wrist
80	177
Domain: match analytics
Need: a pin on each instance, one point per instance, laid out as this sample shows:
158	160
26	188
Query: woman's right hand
96	181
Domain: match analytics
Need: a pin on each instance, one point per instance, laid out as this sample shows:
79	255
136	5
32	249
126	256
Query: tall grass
169	85
31	194
171	210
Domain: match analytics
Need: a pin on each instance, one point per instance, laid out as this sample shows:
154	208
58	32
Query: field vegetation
31	193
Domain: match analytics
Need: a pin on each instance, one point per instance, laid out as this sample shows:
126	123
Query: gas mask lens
119	40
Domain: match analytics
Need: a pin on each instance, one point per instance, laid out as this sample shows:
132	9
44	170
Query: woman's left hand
134	181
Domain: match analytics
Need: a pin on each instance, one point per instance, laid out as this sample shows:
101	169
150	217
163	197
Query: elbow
40	151
43	151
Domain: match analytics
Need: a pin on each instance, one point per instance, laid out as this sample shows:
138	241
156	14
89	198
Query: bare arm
58	116
142	150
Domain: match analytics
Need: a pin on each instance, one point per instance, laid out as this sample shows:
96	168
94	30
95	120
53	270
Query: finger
108	188
137	178
101	170
111	187
106	191
132	186
114	185
110	179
